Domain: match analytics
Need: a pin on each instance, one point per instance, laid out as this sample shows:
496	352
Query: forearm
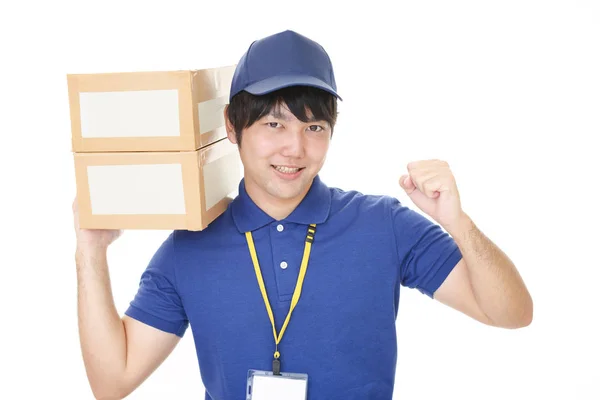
497	285
101	331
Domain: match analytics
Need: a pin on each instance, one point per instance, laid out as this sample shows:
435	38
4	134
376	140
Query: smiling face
282	154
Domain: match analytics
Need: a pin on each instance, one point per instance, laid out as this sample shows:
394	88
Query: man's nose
294	144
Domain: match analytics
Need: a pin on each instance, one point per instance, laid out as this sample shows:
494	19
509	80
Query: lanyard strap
310	236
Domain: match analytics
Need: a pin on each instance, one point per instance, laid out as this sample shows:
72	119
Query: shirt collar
313	209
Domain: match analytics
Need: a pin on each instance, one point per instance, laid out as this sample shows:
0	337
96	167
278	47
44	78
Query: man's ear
229	127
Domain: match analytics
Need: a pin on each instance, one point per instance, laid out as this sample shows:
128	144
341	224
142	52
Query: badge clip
276	367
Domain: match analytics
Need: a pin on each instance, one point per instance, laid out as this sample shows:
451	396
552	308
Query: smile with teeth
286	170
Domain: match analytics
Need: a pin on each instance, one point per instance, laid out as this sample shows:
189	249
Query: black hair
245	108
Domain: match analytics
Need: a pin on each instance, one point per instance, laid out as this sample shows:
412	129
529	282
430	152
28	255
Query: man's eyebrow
275	113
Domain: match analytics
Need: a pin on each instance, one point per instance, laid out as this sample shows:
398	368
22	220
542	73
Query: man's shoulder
356	201
218	230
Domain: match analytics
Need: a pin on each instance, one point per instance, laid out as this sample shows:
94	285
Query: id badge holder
263	385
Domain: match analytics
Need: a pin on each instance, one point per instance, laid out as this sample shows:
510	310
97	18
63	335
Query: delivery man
295	287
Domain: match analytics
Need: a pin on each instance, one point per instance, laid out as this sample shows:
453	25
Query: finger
420	177
432	187
407	184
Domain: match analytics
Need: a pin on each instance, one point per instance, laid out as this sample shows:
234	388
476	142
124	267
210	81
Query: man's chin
287	195
290	192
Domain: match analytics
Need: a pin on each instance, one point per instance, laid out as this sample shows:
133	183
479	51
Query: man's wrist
461	227
90	252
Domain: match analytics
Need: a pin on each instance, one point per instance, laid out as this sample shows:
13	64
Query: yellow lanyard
310	236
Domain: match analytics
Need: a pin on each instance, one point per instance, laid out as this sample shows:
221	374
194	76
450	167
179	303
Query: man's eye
315	128
273	124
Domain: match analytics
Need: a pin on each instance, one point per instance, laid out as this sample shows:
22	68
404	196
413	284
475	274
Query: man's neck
277	209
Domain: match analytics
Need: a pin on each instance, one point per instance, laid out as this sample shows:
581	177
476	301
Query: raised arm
119	354
485	284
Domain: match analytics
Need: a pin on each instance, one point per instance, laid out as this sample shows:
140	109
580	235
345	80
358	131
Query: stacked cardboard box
150	148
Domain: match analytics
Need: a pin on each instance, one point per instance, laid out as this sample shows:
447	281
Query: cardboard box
156	190
148	111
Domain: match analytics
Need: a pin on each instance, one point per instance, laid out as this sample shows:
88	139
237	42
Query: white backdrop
507	92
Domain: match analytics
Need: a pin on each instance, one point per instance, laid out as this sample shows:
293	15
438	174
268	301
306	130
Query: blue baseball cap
282	60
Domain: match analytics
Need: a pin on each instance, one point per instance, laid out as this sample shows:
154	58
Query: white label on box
129	114
210	114
221	177
136	189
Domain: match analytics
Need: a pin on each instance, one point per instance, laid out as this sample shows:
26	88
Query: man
295	277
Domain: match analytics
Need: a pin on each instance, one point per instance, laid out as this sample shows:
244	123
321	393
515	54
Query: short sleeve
157	302
427	253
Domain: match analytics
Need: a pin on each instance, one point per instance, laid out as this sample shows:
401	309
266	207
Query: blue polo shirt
342	333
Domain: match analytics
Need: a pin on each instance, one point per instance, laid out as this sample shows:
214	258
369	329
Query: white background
507	92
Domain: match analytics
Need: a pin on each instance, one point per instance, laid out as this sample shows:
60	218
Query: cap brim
279	82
